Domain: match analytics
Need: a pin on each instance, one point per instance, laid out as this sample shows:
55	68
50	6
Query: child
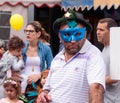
33	92
12	90
2	47
11	59
44	75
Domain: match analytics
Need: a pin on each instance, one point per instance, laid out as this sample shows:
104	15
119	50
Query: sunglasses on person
30	31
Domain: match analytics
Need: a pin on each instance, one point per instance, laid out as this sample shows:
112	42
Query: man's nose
72	39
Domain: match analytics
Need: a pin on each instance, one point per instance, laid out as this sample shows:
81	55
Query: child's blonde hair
13	82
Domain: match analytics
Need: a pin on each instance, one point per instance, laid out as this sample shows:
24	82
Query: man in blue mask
77	73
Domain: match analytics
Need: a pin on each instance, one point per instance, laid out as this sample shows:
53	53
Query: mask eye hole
67	34
78	34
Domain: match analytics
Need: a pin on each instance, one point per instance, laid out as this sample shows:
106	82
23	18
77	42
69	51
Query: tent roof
71	4
83	4
38	3
109	3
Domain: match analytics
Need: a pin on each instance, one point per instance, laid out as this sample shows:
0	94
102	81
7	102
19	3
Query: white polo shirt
69	81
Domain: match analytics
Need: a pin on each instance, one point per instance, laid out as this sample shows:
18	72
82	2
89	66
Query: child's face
43	79
16	52
11	92
2	50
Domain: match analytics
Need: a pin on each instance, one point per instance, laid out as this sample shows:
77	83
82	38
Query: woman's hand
33	78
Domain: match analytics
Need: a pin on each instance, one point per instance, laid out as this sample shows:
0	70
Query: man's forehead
80	24
102	25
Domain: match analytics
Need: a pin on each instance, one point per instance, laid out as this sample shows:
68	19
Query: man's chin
73	51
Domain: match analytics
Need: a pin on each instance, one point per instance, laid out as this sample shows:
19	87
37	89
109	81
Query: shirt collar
85	47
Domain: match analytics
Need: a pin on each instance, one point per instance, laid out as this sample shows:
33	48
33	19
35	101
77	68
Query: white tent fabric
37	3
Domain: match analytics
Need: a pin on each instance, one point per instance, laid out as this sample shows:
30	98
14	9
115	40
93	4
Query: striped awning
38	3
66	4
71	4
106	3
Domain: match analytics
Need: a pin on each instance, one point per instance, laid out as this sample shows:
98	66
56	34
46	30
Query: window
5	25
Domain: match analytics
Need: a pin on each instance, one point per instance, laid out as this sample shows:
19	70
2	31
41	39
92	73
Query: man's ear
59	36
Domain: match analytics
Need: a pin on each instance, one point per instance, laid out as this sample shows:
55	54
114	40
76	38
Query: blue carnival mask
69	34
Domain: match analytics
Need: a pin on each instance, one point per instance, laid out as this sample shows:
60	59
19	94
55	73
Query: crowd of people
79	73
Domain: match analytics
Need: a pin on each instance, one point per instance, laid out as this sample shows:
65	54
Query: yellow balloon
16	21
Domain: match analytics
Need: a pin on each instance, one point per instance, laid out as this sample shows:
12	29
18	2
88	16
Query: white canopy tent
26	9
26	3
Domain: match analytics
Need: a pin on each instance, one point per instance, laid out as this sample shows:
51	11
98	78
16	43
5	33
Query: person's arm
96	92
44	97
18	64
34	77
2	63
109	81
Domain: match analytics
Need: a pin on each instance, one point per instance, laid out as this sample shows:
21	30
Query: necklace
33	69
